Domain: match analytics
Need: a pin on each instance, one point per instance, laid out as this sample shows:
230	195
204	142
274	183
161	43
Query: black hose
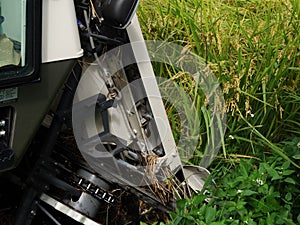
26	209
64	107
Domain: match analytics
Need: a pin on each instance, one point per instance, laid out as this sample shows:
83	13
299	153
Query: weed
250	193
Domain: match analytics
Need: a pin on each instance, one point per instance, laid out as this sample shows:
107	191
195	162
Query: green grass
252	193
253	48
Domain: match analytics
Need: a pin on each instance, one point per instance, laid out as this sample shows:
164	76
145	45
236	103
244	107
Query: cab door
30	29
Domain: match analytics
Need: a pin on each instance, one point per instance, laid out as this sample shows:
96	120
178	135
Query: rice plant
253	49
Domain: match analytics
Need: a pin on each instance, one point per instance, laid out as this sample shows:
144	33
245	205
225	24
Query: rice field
253	49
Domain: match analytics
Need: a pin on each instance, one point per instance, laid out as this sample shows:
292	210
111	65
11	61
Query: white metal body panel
60	36
152	91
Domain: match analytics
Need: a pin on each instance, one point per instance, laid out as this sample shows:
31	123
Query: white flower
239	191
231	136
298	145
260	182
251	114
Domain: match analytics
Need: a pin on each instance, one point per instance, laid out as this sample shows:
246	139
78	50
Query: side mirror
116	13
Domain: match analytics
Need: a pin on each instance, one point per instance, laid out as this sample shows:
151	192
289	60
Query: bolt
88	187
2	133
2	123
33	212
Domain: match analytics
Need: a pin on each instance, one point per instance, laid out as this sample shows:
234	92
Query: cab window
12	32
20	37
